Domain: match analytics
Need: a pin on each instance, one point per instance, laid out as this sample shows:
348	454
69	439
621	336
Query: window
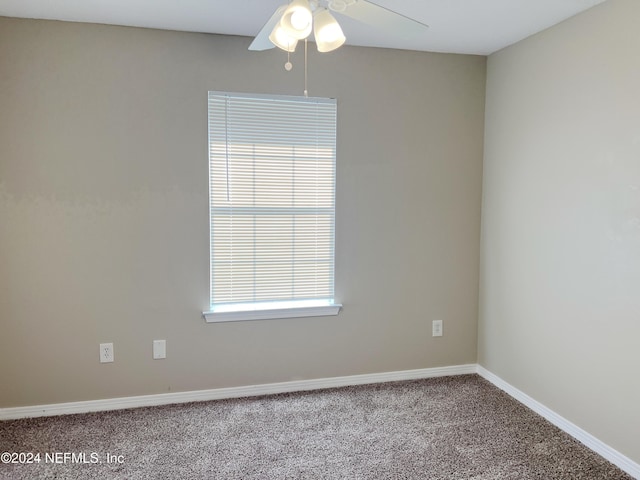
272	206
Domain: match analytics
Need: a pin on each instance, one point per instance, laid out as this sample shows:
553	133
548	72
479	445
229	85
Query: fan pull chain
288	66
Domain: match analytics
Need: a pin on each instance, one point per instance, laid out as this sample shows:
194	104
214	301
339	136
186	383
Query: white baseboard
576	432
232	392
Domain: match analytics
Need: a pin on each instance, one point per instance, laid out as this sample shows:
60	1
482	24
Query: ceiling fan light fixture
282	40
327	31
297	19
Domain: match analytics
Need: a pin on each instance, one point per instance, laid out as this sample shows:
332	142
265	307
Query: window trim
272	313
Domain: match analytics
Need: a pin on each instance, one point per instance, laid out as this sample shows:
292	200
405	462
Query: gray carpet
444	428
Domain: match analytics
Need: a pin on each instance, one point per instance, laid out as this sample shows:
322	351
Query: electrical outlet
436	328
106	352
159	349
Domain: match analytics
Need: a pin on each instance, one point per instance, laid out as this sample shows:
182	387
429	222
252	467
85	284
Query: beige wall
104	227
560	268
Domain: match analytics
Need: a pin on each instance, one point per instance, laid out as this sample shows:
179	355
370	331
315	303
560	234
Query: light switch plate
159	349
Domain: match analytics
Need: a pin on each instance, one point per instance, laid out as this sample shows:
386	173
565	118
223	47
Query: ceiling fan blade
261	41
383	18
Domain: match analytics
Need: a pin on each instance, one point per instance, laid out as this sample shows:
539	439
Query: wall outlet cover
436	328
106	353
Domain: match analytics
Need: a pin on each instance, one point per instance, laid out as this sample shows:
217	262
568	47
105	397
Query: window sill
272	313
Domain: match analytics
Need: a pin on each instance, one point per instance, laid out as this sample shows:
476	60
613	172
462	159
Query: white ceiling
456	26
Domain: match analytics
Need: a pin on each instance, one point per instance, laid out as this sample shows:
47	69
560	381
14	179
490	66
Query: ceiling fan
295	21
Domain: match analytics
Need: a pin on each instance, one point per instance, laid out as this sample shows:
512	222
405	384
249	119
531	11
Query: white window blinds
272	201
